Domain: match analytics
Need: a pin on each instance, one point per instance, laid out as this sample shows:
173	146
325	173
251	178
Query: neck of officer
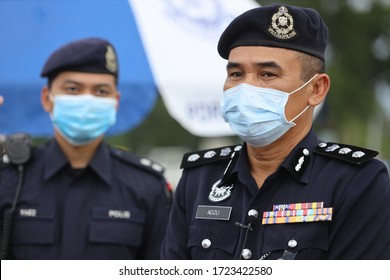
265	160
78	156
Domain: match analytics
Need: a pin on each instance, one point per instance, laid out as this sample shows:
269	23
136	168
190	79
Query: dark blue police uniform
115	208
339	193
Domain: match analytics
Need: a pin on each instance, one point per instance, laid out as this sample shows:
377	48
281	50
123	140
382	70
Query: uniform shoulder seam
139	162
207	156
349	153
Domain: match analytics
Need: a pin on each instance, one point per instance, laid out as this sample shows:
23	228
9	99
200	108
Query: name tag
205	212
28	212
119	214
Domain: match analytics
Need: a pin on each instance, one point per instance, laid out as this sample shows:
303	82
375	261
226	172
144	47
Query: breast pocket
308	240
212	240
117	226
33	226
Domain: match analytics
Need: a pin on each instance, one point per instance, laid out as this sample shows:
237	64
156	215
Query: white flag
180	39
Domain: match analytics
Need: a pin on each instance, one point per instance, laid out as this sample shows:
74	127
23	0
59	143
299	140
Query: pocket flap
117	226
33	226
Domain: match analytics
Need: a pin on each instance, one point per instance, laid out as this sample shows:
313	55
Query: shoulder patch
143	163
349	153
192	159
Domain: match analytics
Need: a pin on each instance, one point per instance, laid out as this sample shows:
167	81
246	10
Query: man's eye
268	74
71	90
102	92
235	74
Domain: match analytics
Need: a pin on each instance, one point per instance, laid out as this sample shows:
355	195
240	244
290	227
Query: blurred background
357	110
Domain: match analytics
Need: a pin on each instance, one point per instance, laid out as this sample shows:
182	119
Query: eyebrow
265	64
69	81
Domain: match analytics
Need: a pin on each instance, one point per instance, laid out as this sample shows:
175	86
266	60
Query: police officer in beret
81	198
283	193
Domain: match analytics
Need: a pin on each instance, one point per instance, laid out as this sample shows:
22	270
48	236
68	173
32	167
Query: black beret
91	55
281	26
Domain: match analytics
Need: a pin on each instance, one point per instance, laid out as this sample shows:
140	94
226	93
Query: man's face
76	83
267	67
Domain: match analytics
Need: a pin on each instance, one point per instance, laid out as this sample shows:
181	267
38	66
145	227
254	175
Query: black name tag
213	212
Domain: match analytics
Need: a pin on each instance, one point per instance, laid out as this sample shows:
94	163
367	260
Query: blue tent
30	30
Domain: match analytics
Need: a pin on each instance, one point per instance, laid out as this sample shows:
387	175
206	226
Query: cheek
226	85
295	105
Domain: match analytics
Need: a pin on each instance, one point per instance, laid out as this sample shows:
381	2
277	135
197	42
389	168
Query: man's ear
320	89
118	97
46	102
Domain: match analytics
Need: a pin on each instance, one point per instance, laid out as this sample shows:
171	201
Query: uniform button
253	213
292	243
246	254
206	243
306	152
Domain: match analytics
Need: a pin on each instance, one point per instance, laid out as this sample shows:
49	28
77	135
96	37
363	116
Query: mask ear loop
298	89
304	110
305	84
51	97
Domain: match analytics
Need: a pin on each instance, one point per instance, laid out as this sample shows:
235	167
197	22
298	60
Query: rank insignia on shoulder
192	159
144	163
349	153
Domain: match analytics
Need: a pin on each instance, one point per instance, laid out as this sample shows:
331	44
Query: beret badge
282	26
111	63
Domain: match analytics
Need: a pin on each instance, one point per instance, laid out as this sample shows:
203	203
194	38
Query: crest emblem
220	193
111	63
282	25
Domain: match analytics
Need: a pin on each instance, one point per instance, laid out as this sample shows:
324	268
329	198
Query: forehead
86	79
253	55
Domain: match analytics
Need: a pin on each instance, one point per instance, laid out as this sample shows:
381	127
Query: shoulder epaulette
142	163
192	159
349	153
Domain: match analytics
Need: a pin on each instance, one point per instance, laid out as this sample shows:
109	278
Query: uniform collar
101	163
55	160
298	163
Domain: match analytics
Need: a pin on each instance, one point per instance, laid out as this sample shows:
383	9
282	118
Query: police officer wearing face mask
81	198
284	193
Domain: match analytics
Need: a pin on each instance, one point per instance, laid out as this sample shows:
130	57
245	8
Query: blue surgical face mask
257	115
80	119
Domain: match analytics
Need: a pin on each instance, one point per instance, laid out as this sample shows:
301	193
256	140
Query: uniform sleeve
361	229
175	243
156	225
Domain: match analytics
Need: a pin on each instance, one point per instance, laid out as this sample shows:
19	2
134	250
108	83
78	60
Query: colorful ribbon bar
292	213
298	206
297	219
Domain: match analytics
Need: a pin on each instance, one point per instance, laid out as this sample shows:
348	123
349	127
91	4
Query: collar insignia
300	161
282	25
220	193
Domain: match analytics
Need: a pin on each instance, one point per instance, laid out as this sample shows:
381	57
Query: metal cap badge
282	26
278	26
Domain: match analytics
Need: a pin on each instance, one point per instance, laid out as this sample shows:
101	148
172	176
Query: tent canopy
30	30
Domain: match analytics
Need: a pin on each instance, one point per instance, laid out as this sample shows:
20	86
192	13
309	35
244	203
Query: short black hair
310	65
